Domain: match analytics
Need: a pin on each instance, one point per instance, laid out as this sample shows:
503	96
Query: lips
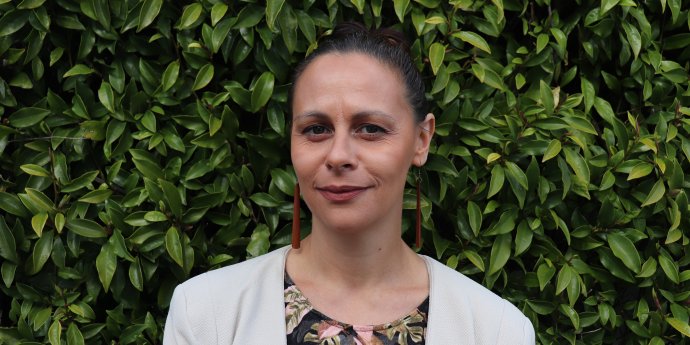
341	193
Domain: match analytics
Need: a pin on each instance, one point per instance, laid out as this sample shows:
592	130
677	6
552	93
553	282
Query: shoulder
490	316
235	277
208	308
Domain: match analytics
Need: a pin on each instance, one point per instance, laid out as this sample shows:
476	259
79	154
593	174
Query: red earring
418	225
295	219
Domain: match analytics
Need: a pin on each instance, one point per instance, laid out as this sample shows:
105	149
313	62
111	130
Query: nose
341	155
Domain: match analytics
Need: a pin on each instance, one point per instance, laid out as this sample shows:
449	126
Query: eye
372	129
315	130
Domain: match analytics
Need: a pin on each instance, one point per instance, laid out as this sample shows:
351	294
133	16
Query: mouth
341	193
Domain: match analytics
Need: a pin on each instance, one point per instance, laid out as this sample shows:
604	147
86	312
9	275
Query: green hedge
150	138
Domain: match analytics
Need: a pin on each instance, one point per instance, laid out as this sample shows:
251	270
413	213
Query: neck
362	259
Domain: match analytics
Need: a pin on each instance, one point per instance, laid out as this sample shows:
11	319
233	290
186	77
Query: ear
425	131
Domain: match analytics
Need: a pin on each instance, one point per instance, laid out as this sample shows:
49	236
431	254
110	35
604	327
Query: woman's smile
341	194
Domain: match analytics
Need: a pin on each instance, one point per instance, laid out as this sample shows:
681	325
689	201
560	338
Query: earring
418	225
295	219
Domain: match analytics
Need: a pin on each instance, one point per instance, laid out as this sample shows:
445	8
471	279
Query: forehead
348	77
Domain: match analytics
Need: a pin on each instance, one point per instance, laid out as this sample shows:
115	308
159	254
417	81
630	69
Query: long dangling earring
295	219
418	225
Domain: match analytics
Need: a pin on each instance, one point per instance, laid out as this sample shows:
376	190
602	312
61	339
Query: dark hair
386	45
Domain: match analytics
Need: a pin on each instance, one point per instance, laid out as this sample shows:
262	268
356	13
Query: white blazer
243	304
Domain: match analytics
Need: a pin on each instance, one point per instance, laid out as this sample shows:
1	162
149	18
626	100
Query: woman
358	125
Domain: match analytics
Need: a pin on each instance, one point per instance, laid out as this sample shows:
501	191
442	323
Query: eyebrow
357	116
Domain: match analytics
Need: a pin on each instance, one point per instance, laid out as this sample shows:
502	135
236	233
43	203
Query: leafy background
144	142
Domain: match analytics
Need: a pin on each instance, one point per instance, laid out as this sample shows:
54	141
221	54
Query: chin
344	222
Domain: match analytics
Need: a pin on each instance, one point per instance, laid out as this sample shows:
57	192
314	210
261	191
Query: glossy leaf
625	250
473	39
106	264
500	253
655	194
173	246
437	53
149	12
263	89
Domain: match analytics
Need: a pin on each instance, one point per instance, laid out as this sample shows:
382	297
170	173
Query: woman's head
355	134
386	45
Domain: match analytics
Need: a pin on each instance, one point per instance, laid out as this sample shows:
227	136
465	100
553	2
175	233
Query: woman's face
353	140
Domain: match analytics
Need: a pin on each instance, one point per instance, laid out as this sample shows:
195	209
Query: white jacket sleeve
529	333
178	329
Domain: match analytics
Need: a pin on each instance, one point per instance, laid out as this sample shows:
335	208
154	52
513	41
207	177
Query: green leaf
624	249
669	267
500	253
473	39
40	201
249	16
546	97
135	275
263	90
173	245
85	228
170	75
437	53
542	41
634	38
190	15
607	5
55	332
273	8
55	55
217	12
172	197
435	20
400	7
552	150
38	221
35	170
571	314
203	77
259	244
155	216
578	163
27	117
604	109
514	171
563	279
544	274
12	21
78	69
475	259
30	4
264	200
640	170
497	180
106	265
149	12
41	253
657	192
475	217
8	246
648	268
588	93
523	238
96	196
107	96
74	335
80	182
11	204
680	326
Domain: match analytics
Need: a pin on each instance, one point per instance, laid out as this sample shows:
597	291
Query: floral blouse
306	325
